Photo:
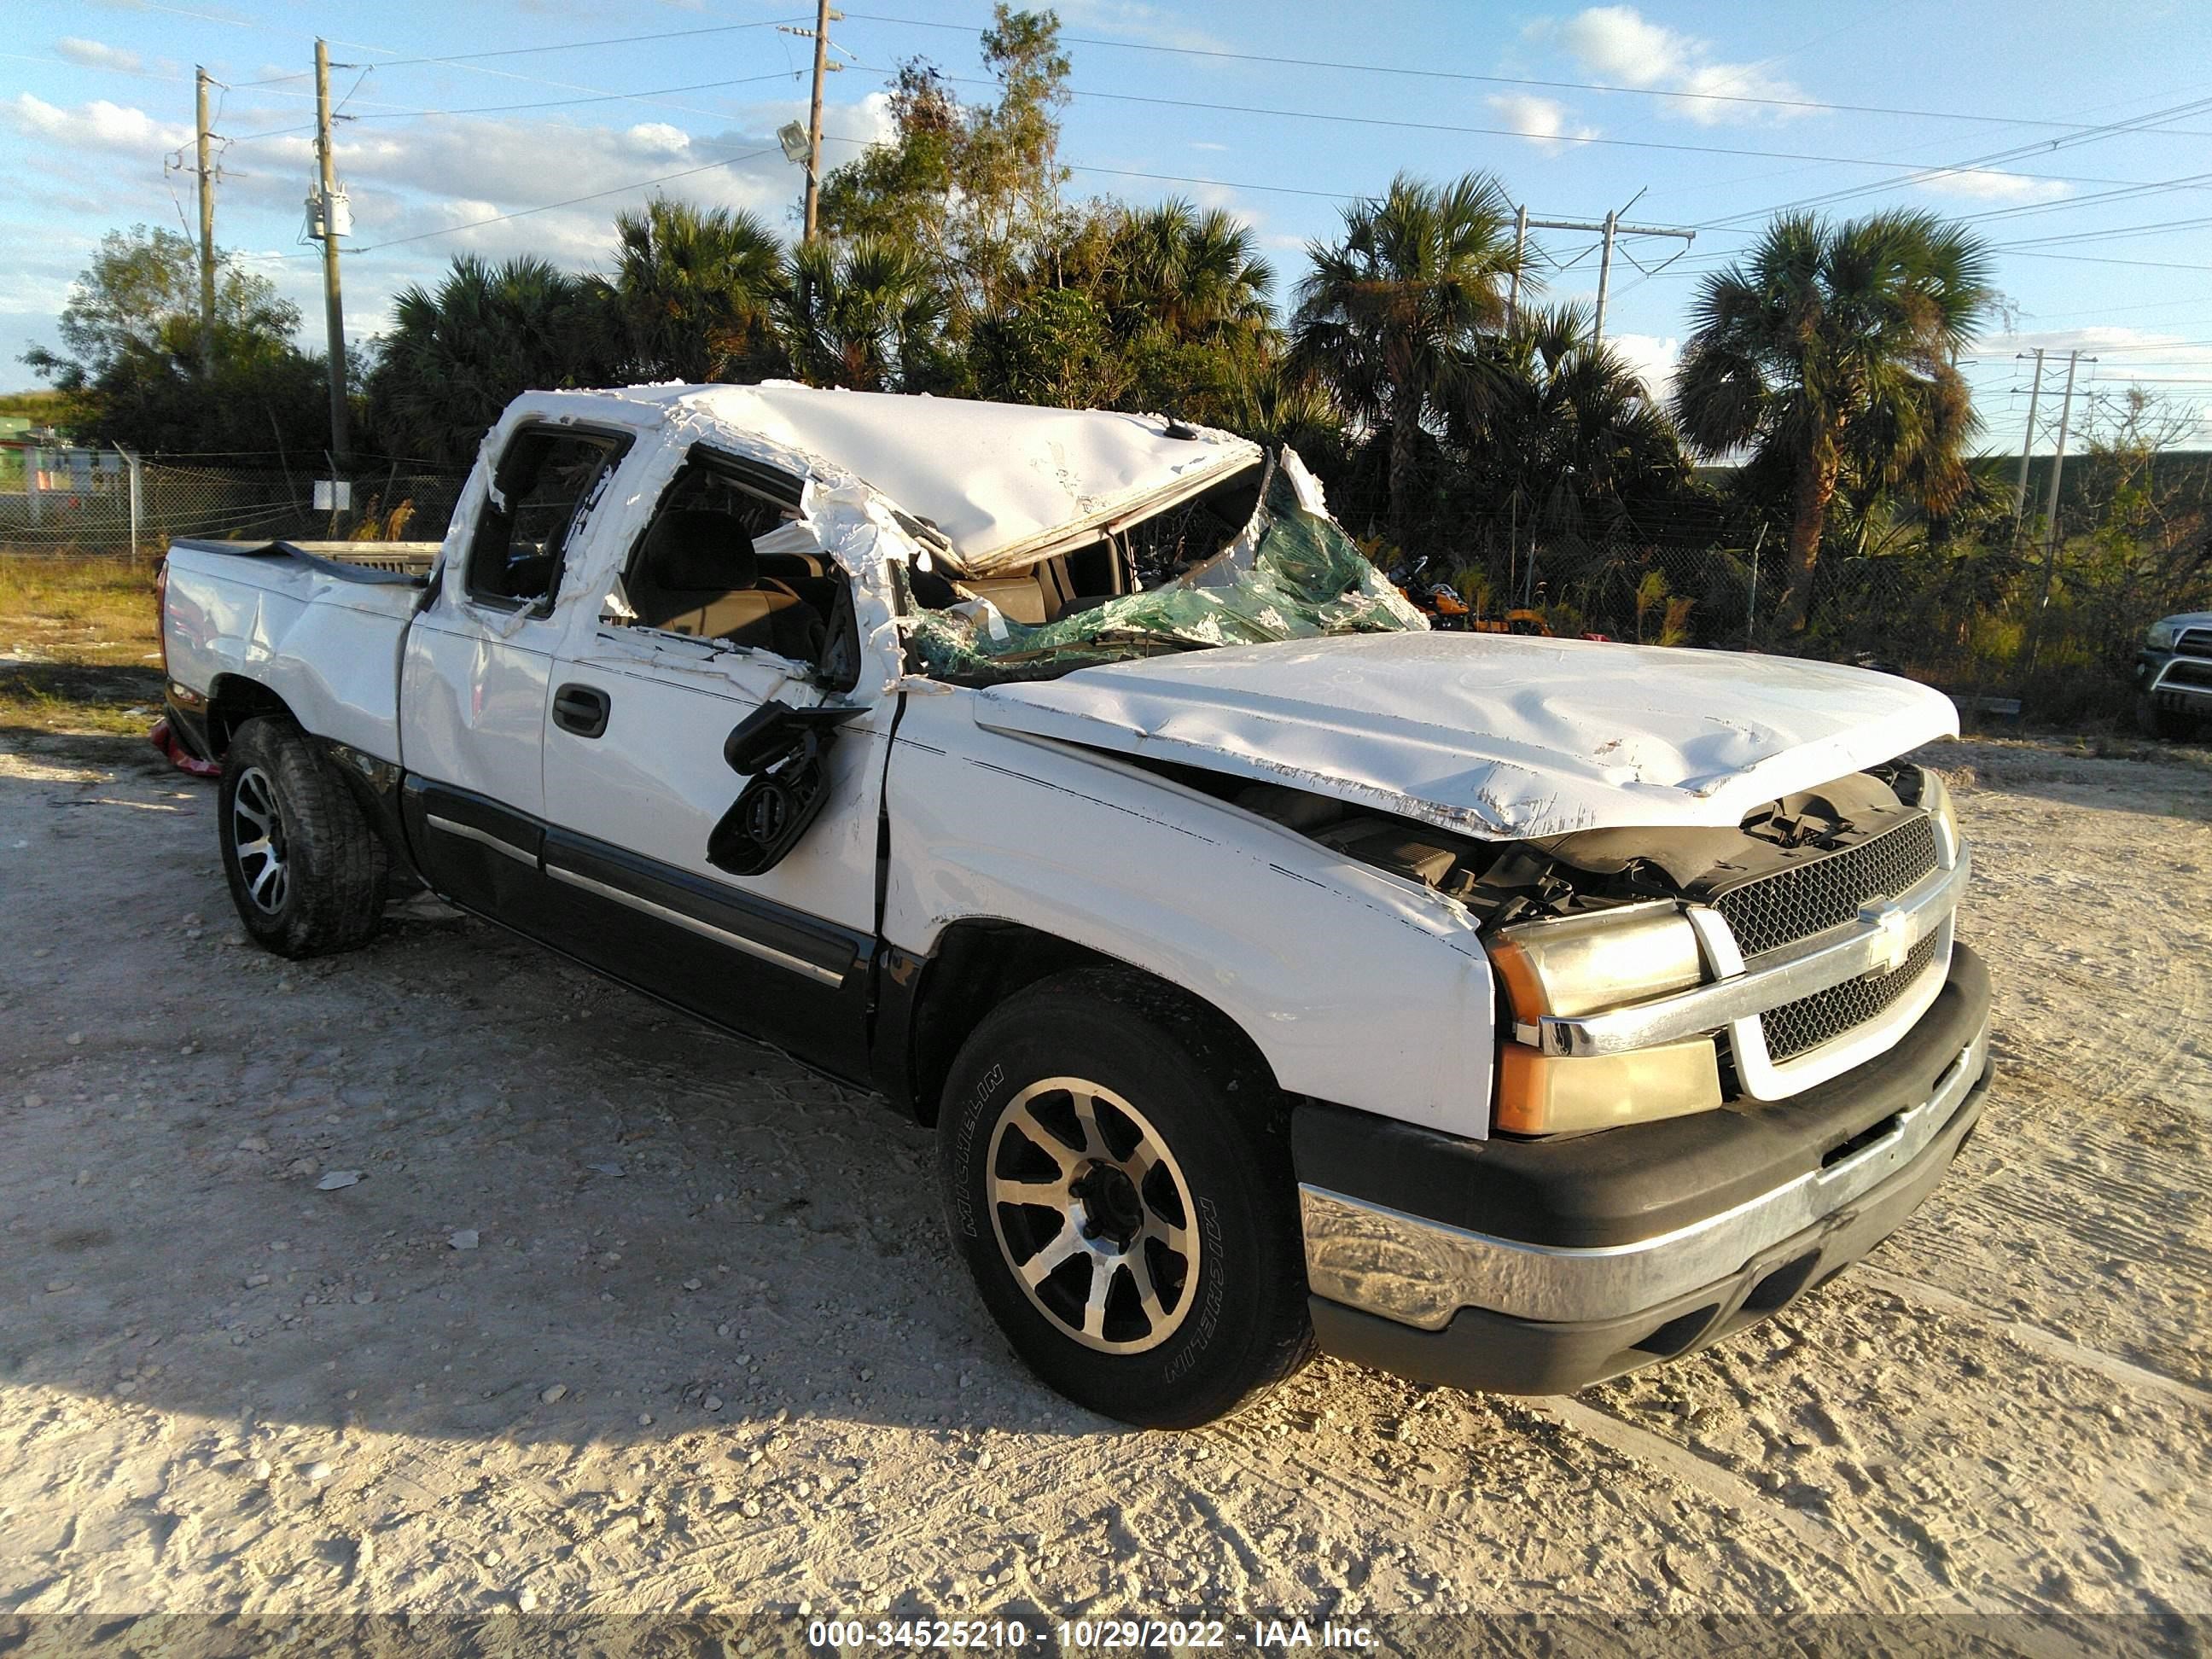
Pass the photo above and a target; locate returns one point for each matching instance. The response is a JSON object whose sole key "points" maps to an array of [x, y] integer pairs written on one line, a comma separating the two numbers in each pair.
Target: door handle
{"points": [[582, 710]]}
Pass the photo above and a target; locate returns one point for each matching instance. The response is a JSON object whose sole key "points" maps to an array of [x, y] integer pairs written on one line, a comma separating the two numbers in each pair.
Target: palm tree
{"points": [[1830, 352], [864, 314], [1567, 435], [694, 289], [1390, 315], [1274, 404], [1194, 276], [456, 358]]}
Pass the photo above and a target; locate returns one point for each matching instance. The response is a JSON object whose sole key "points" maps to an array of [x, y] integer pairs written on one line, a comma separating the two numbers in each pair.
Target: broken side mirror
{"points": [[781, 750]]}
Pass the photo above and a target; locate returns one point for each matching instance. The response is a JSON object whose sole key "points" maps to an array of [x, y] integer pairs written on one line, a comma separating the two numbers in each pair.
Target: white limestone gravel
{"points": [[2005, 1411]]}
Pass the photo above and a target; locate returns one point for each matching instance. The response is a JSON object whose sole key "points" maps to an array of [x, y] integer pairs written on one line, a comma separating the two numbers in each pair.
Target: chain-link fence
{"points": [[62, 500]]}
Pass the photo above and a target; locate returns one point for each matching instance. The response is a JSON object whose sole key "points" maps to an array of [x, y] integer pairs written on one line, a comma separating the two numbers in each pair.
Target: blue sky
{"points": [[1705, 115]]}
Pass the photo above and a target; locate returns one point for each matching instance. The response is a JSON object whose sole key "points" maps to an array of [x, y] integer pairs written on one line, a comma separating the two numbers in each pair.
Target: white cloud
{"points": [[1201, 143], [1615, 42], [1544, 121], [98, 54], [1653, 357], [1983, 185], [99, 125], [1619, 45]]}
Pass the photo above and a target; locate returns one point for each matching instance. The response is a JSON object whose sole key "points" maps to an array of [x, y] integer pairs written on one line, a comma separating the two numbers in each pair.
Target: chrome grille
{"points": [[1796, 1027], [1813, 896], [2194, 639]]}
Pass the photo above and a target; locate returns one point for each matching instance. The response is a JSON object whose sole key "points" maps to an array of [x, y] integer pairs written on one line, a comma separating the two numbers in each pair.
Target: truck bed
{"points": [[321, 624], [348, 560]]}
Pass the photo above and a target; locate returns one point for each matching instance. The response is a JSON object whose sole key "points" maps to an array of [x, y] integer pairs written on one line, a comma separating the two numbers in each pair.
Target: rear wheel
{"points": [[1117, 1176], [308, 873]]}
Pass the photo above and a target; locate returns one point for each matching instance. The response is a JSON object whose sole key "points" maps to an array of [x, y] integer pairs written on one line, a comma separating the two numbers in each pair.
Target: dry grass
{"points": [[80, 645]]}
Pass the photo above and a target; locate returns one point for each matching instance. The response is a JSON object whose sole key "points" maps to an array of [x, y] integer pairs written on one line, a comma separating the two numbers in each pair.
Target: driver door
{"points": [[703, 629]]}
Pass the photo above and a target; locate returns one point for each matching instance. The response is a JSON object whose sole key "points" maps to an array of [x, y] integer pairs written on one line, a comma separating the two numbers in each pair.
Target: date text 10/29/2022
{"points": [[1085, 1634]]}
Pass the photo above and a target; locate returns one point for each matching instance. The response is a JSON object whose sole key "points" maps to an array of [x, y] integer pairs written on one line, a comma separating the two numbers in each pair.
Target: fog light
{"points": [[1540, 1094]]}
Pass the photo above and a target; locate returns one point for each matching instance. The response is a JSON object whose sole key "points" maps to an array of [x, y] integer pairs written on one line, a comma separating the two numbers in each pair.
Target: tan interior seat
{"points": [[697, 573], [1022, 598]]}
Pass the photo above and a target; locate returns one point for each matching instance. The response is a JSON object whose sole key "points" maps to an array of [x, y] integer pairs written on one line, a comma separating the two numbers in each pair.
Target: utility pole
{"points": [[825, 14], [1520, 253], [2034, 395], [2059, 461], [207, 227], [329, 211], [1605, 275], [2074, 359], [1610, 228]]}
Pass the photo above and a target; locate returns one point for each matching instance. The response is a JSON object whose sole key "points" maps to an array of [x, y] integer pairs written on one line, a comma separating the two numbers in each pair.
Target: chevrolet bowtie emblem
{"points": [[1893, 925]]}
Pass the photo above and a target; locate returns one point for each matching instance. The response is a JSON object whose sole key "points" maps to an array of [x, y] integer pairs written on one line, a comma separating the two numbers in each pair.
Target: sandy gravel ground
{"points": [[623, 1314]]}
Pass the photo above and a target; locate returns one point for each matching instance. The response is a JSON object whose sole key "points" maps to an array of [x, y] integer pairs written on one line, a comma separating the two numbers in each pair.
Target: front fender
{"points": [[1356, 987]]}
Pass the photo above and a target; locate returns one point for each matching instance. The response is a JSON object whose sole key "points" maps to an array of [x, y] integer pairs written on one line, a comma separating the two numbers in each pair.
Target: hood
{"points": [[1492, 735], [1007, 484]]}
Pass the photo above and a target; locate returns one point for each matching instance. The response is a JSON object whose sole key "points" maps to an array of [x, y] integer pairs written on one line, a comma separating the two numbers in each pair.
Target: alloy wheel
{"points": [[256, 831], [1093, 1215]]}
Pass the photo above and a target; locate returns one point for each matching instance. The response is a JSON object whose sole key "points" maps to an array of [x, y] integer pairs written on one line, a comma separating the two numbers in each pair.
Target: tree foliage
{"points": [[692, 293], [974, 189], [1391, 315], [132, 366], [864, 314], [1829, 352], [458, 355], [952, 259]]}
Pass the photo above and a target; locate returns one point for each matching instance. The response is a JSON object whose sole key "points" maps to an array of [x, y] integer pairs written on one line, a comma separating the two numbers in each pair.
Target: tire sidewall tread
{"points": [[1219, 1110], [338, 867]]}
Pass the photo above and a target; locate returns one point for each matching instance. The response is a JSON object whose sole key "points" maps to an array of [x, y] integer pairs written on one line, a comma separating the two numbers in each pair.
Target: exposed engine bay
{"points": [[1505, 883]]}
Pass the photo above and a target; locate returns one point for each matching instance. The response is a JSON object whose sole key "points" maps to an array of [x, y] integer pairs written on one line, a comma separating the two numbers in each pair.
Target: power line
{"points": [[1495, 80], [1325, 115], [2153, 227], [579, 45], [559, 103], [1979, 163], [573, 201]]}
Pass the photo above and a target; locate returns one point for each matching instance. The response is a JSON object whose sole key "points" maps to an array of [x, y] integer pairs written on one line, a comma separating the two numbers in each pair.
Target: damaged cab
{"points": [[1505, 1012]]}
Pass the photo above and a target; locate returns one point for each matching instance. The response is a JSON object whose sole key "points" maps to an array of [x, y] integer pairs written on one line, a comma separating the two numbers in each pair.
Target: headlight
{"points": [[2162, 636], [1585, 965], [1935, 799]]}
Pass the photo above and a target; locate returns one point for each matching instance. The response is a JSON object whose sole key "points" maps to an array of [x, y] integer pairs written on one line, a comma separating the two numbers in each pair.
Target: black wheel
{"points": [[308, 873], [1117, 1174], [2154, 721]]}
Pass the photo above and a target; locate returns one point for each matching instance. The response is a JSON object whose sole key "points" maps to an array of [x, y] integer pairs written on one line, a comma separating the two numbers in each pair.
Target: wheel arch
{"points": [[977, 964], [234, 699]]}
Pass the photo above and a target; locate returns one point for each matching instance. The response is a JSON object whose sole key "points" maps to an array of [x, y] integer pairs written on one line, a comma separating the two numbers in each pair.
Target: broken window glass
{"points": [[1292, 574]]}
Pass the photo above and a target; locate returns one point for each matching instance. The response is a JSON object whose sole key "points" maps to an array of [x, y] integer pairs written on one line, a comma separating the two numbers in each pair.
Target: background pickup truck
{"points": [[2173, 676], [1506, 1012]]}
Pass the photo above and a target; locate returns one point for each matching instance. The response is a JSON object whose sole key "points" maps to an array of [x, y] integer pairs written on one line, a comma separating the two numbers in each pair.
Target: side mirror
{"points": [[781, 748]]}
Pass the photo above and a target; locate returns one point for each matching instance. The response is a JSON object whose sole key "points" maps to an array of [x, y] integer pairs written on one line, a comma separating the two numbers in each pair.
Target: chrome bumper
{"points": [[2191, 693], [1421, 1272], [1881, 937]]}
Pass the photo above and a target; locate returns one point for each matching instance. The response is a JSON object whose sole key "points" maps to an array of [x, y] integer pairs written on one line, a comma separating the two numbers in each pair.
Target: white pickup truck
{"points": [[1503, 1012]]}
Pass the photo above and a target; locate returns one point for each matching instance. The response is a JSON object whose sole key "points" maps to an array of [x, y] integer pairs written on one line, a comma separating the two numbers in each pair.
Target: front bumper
{"points": [[2180, 683], [1540, 1267]]}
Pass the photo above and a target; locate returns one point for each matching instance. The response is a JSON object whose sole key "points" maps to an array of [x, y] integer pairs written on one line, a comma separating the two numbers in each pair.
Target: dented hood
{"points": [[1492, 735]]}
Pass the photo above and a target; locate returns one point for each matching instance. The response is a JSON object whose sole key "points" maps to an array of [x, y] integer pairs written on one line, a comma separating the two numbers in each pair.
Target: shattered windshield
{"points": [[1292, 574]]}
